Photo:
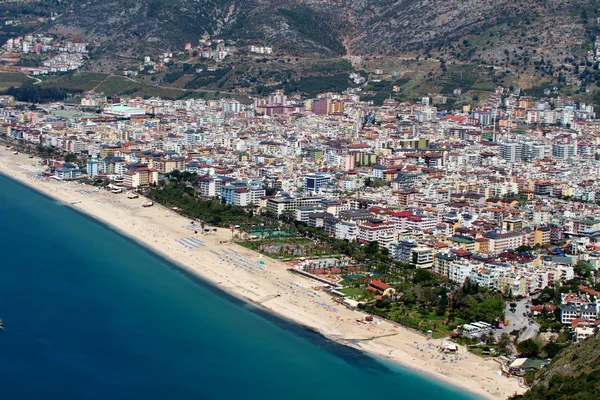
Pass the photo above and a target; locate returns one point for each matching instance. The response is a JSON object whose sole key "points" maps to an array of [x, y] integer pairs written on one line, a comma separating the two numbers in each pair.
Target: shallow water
{"points": [[89, 314]]}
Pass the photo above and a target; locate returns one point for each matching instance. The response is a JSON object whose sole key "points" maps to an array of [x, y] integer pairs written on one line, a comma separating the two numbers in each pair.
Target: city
{"points": [[502, 195]]}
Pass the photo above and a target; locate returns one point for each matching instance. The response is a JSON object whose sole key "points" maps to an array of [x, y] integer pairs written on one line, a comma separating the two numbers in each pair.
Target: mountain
{"points": [[124, 29], [352, 27], [573, 374], [422, 46]]}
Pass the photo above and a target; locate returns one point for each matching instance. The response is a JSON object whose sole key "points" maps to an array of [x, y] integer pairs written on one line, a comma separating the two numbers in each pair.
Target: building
{"points": [[459, 270], [192, 137], [543, 236], [241, 194], [209, 187], [587, 226], [318, 219], [303, 213], [381, 288], [327, 106], [543, 188], [441, 262], [420, 223], [421, 257], [139, 175], [278, 206], [167, 165], [410, 252], [92, 166], [511, 152], [377, 230], [316, 180], [564, 151], [67, 172], [484, 277], [582, 329], [574, 306], [463, 242], [355, 215], [498, 242], [401, 250], [346, 230], [228, 191], [124, 111]]}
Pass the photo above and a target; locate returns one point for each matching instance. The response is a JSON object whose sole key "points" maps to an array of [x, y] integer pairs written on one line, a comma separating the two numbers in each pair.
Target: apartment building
{"points": [[278, 206], [139, 176], [346, 230], [499, 242], [377, 230]]}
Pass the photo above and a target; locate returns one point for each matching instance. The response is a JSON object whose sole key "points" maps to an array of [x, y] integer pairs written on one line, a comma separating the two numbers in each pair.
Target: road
{"points": [[518, 321], [37, 80]]}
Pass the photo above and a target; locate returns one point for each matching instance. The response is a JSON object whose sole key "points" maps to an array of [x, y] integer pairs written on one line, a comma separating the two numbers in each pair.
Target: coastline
{"points": [[157, 229]]}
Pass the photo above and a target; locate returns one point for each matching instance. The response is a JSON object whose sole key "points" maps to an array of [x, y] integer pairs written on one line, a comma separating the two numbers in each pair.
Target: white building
{"points": [[346, 230], [458, 271]]}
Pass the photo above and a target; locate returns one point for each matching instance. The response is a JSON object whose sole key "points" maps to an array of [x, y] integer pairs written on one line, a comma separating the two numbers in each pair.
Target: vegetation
{"points": [[375, 182], [428, 303], [314, 85], [208, 78], [112, 85], [76, 81], [315, 26], [424, 301], [8, 79], [529, 348], [574, 373], [36, 94], [179, 192], [473, 303]]}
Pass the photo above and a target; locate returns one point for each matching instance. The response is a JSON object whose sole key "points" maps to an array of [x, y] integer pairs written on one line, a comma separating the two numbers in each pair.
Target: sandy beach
{"points": [[270, 285]]}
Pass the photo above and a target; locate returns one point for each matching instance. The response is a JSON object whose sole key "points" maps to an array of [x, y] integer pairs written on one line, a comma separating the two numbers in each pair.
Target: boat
{"points": [[148, 204], [1, 324]]}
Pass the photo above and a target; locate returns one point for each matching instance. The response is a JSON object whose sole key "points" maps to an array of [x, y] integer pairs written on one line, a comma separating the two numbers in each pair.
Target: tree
{"points": [[422, 275], [371, 249], [529, 348], [583, 269], [489, 339], [552, 348], [503, 346], [523, 249], [70, 157]]}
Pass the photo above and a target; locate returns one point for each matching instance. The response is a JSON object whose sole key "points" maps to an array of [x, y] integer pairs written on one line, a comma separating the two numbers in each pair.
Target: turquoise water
{"points": [[91, 315]]}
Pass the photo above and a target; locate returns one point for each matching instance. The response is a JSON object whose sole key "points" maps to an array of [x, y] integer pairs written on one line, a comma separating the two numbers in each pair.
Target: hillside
{"points": [[422, 46], [125, 29], [573, 374], [353, 27]]}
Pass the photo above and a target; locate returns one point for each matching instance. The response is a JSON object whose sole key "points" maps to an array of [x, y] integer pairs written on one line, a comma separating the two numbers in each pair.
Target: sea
{"points": [[91, 314]]}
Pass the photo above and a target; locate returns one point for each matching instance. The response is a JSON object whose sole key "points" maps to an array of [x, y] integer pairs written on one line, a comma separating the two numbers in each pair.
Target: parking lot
{"points": [[518, 321]]}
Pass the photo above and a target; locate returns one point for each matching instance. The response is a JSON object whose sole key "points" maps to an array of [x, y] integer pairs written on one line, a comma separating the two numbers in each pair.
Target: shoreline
{"points": [[157, 229]]}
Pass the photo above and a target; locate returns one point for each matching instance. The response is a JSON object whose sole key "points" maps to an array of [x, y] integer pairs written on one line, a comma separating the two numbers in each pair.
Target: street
{"points": [[518, 321]]}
